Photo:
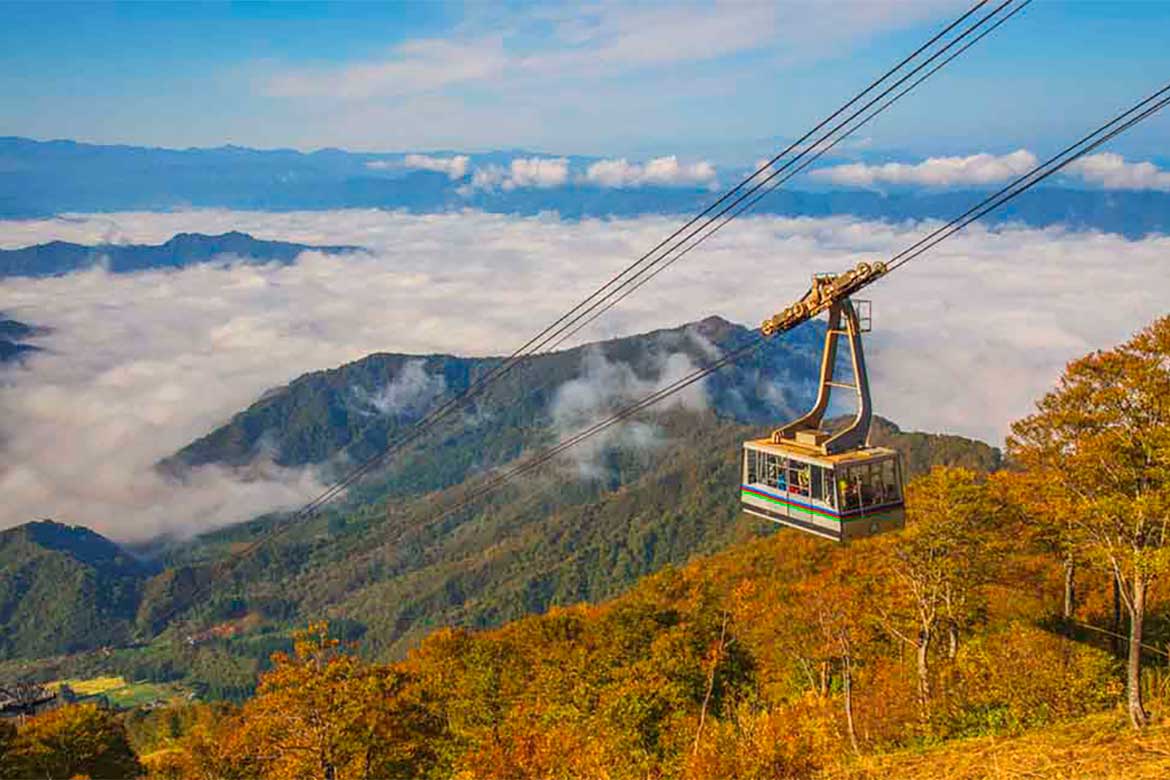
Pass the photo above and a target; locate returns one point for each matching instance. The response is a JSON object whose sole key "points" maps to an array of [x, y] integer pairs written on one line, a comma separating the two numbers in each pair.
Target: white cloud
{"points": [[976, 169], [416, 67], [455, 167], [1107, 170], [605, 386], [660, 171], [574, 75], [539, 172], [140, 364], [547, 46], [408, 396], [1113, 172]]}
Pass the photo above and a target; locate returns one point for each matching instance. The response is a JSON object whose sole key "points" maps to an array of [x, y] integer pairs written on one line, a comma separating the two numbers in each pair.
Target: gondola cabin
{"points": [[840, 497], [809, 474]]}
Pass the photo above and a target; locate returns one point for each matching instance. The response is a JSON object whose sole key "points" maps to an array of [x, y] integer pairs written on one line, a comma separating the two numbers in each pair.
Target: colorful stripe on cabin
{"points": [[866, 513]]}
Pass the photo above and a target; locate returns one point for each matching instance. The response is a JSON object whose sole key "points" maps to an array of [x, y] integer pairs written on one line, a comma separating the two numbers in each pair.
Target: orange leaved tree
{"points": [[322, 713], [1104, 434]]}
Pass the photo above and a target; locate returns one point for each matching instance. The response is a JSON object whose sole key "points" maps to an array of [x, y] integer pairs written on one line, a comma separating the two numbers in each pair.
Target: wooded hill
{"points": [[383, 569], [782, 657], [1014, 606]]}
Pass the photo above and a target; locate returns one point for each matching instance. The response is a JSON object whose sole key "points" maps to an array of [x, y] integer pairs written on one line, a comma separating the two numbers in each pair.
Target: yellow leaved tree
{"points": [[323, 713], [1104, 435]]}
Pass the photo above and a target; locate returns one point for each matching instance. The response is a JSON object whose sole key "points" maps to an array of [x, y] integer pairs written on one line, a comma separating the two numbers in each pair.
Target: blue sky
{"points": [[712, 81]]}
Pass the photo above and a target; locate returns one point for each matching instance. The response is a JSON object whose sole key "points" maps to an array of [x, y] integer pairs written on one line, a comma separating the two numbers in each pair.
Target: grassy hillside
{"points": [[1098, 747]]}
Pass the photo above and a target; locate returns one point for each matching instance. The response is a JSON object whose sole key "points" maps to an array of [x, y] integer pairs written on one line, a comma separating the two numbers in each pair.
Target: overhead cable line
{"points": [[1119, 124], [776, 184], [639, 276], [639, 267], [621, 281]]}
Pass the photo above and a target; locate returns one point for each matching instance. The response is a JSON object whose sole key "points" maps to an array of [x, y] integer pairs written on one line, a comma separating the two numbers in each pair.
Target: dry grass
{"points": [[1101, 747]]}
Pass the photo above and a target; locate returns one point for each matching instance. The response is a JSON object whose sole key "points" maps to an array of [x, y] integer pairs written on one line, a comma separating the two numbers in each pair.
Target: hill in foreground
{"points": [[1097, 747], [782, 657]]}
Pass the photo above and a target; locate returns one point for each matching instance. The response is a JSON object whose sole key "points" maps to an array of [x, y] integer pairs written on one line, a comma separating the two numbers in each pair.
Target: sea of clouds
{"points": [[138, 365]]}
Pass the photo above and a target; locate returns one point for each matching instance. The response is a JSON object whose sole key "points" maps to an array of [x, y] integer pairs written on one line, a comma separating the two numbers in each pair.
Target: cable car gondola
{"points": [[831, 483]]}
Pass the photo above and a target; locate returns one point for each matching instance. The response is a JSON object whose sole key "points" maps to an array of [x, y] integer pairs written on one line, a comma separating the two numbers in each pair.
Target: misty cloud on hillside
{"points": [[408, 396], [138, 365], [604, 387]]}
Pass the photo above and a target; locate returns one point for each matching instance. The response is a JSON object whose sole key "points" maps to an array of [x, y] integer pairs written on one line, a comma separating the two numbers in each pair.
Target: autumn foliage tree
{"points": [[1104, 434], [931, 574], [783, 657], [322, 713], [80, 740]]}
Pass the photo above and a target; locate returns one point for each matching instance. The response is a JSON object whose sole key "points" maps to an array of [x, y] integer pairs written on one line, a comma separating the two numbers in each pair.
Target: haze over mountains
{"points": [[42, 178]]}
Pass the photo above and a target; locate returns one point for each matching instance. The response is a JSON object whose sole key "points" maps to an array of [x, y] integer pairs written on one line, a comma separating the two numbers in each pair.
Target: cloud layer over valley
{"points": [[138, 365]]}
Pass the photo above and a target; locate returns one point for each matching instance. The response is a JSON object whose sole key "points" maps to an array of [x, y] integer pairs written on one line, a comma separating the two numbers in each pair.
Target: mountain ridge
{"points": [[55, 258], [46, 178]]}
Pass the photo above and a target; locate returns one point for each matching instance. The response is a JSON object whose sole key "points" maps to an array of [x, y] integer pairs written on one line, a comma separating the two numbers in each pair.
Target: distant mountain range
{"points": [[184, 249], [44, 178]]}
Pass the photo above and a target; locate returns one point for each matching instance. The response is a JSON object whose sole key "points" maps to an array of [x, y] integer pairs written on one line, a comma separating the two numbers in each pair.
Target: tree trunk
{"points": [[1115, 641], [1070, 593], [924, 640], [1133, 667], [824, 690], [952, 641], [716, 657], [847, 684]]}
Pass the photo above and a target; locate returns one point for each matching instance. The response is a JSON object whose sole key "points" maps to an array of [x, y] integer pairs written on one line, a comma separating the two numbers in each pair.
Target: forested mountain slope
{"points": [[354, 409], [386, 565], [64, 588], [398, 569]]}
